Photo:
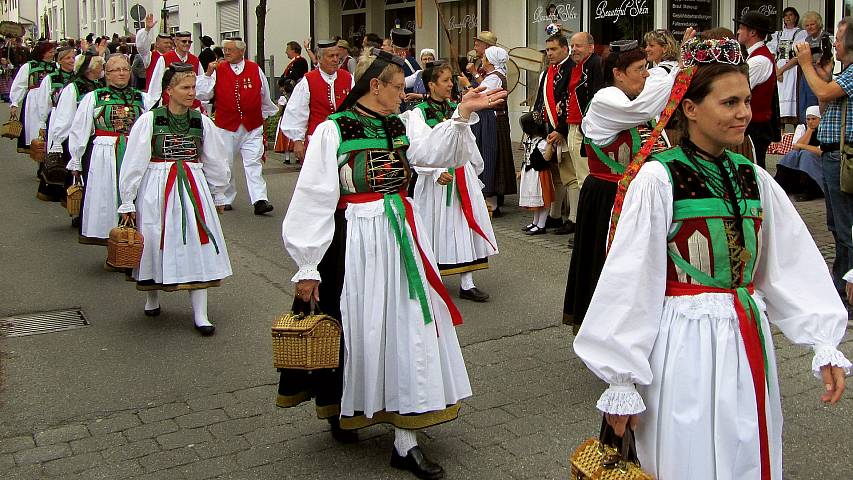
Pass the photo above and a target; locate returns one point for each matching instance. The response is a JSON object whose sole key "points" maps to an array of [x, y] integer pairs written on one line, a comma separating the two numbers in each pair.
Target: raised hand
{"points": [[150, 22]]}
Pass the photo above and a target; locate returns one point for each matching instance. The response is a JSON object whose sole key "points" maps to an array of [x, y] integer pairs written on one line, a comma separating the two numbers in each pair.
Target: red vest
{"points": [[620, 151], [321, 105], [155, 55], [172, 57], [238, 97], [762, 94], [345, 64]]}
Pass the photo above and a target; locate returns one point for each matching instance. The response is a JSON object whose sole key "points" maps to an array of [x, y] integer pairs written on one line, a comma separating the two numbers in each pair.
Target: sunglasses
{"points": [[186, 42]]}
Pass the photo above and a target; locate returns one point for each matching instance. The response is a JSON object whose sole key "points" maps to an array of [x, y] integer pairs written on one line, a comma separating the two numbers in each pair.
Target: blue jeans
{"points": [[839, 217], [806, 99]]}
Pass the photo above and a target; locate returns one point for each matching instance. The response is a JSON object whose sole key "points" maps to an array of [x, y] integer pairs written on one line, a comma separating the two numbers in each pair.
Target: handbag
{"points": [[74, 197], [599, 459], [846, 152], [306, 340], [53, 169], [124, 247], [12, 128]]}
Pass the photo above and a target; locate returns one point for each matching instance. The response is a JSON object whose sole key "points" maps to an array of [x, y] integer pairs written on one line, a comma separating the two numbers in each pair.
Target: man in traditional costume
{"points": [[319, 94], [450, 201], [42, 103], [620, 117], [401, 40], [753, 28], [163, 44], [482, 41], [97, 143], [242, 96], [29, 78], [346, 212], [346, 61], [700, 265], [173, 182], [181, 54]]}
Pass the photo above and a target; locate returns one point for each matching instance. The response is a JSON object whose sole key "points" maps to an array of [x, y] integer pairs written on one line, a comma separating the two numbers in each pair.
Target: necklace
{"points": [[441, 110], [370, 127], [179, 124]]}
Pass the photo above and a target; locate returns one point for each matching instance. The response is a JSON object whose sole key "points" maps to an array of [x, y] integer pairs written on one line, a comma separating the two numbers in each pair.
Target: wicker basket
{"points": [[124, 247], [74, 198], [12, 128], [53, 169], [37, 151], [306, 342], [596, 460]]}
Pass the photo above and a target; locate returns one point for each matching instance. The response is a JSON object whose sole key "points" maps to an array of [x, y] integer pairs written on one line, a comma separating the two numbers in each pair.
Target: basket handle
{"points": [[13, 116], [127, 221], [627, 451], [303, 307]]}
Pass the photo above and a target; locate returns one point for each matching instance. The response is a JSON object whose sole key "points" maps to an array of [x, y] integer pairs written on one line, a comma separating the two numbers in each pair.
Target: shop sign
{"points": [[697, 14], [468, 22], [627, 8], [767, 7], [562, 12]]}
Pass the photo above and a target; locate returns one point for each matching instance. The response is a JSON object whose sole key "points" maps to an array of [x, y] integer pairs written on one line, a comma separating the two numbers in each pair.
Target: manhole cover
{"points": [[42, 322]]}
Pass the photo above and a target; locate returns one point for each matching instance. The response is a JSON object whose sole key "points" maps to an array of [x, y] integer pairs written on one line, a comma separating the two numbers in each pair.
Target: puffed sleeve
{"points": [[449, 144], [213, 161], [797, 289], [40, 102], [294, 121], [135, 161], [62, 118], [426, 171], [204, 87], [144, 39], [155, 84], [623, 319], [18, 89], [268, 108], [309, 224], [78, 140]]}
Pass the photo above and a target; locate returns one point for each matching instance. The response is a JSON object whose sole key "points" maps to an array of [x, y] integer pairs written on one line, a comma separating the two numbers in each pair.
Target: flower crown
{"points": [[553, 29], [697, 51]]}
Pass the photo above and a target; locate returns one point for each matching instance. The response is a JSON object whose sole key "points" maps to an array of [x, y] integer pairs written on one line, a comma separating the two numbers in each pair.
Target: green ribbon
{"points": [[450, 187], [396, 213], [613, 165], [184, 185]]}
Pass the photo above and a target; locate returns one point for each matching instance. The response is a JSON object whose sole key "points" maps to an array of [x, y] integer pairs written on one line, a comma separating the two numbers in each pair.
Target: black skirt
{"points": [[590, 250], [324, 386]]}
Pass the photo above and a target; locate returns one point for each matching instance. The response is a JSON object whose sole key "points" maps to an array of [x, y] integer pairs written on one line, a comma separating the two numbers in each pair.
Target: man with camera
{"points": [[834, 95]]}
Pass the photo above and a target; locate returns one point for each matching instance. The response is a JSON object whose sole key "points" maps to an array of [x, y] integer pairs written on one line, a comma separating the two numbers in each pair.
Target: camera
{"points": [[814, 46]]}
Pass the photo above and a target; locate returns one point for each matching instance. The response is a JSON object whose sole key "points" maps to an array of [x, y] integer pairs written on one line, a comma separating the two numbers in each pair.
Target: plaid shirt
{"points": [[830, 123]]}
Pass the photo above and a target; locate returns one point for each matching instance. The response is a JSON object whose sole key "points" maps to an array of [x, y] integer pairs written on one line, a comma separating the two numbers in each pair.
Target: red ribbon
{"points": [[465, 204], [754, 355], [433, 278], [170, 185]]}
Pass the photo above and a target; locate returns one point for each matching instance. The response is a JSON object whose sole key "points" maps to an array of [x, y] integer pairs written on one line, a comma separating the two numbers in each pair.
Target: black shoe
{"points": [[152, 313], [496, 213], [262, 207], [205, 330], [473, 294], [552, 222], [75, 222], [417, 463], [567, 228], [228, 207], [536, 230], [528, 227], [339, 434]]}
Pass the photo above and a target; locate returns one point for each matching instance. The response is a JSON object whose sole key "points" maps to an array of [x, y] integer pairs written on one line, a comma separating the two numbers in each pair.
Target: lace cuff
{"points": [[307, 272], [458, 119], [825, 354], [74, 165], [623, 399], [127, 208]]}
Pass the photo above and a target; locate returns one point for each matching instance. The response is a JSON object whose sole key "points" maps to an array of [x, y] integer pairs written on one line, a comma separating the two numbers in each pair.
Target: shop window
{"points": [[353, 25], [461, 19], [541, 13], [399, 13], [771, 8], [701, 15], [620, 19]]}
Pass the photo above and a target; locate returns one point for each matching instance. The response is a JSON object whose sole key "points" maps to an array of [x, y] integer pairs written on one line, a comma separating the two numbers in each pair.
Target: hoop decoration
{"points": [[696, 51]]}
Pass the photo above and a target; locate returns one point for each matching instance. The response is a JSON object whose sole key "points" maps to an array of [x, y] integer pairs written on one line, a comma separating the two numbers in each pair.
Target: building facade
{"points": [[23, 12]]}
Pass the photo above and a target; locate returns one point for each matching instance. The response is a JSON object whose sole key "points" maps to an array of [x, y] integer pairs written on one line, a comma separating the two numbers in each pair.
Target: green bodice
{"points": [[435, 113], [39, 70], [116, 110], [168, 144]]}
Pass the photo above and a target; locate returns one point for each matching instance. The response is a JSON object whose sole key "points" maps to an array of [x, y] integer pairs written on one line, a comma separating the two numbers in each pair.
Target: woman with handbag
{"points": [[43, 103], [362, 254], [172, 184], [699, 266], [450, 201], [98, 143]]}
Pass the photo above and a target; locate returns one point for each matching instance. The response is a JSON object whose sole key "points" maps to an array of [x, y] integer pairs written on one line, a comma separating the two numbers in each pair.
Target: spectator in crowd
{"points": [[347, 62], [482, 41], [7, 73], [833, 94], [206, 55], [799, 172], [662, 51], [295, 69], [780, 45], [822, 61], [371, 40], [753, 28]]}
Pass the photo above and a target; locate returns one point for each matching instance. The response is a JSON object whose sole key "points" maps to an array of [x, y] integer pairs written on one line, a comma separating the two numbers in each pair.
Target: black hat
{"points": [[755, 20], [183, 34], [623, 45], [164, 36], [401, 37], [234, 39], [206, 41], [327, 43]]}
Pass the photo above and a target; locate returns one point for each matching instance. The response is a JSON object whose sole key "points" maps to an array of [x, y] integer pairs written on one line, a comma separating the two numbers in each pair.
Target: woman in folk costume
{"points": [[97, 144], [350, 226], [88, 68], [172, 182], [781, 44], [450, 201], [619, 118], [29, 78], [699, 266], [42, 103], [493, 134]]}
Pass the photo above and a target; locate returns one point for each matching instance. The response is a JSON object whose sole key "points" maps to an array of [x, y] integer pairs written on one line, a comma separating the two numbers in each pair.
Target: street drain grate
{"points": [[42, 322]]}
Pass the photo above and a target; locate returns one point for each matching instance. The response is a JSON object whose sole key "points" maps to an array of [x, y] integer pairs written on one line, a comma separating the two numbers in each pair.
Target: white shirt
{"points": [[294, 122], [204, 86], [144, 39], [155, 86], [760, 67]]}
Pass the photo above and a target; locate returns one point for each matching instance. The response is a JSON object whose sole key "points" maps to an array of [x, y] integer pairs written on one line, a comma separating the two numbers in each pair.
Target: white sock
{"points": [[199, 300], [152, 300], [466, 281], [405, 440], [541, 217], [574, 197]]}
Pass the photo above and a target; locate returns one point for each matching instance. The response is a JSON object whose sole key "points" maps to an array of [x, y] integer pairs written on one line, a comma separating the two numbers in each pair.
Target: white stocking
{"points": [[152, 300], [199, 300], [405, 440], [466, 281]]}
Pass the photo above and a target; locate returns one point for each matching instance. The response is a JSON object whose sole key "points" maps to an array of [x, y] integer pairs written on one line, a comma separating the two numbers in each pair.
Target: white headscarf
{"points": [[814, 111], [427, 51], [498, 57]]}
